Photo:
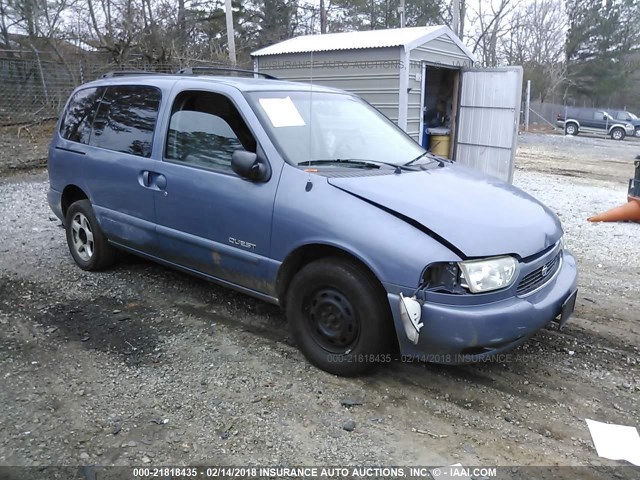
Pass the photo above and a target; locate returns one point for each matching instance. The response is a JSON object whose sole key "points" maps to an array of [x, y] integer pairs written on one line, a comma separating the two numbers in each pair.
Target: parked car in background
{"points": [[628, 117], [311, 199], [595, 121]]}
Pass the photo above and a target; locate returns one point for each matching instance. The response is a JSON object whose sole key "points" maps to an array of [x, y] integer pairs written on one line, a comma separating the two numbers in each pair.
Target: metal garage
{"points": [[422, 78]]}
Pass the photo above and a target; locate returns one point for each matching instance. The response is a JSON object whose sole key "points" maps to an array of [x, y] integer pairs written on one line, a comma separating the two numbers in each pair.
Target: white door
{"points": [[489, 113]]}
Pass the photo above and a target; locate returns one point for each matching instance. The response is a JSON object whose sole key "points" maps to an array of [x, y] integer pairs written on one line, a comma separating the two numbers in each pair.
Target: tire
{"points": [[87, 244], [618, 133], [637, 133], [571, 129], [339, 316]]}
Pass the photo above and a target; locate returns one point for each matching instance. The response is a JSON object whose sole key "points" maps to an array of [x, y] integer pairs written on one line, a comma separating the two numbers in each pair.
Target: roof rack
{"points": [[197, 70], [123, 73]]}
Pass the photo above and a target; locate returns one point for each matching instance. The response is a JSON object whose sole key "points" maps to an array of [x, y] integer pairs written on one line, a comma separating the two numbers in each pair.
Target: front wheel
{"points": [[637, 133], [339, 316], [88, 245], [618, 133]]}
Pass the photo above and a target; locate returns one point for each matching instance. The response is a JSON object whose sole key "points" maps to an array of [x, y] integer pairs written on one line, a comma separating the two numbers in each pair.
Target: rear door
{"points": [[120, 149], [596, 123], [489, 114]]}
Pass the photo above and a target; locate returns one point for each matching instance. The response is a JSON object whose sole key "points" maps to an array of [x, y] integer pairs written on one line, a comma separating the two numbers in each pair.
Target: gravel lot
{"points": [[145, 365]]}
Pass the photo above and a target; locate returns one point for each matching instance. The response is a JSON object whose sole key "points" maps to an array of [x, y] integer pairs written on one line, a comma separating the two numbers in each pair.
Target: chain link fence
{"points": [[34, 89], [546, 113]]}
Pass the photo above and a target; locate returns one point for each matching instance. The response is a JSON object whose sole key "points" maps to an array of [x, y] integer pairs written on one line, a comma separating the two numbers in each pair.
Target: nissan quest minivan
{"points": [[309, 198]]}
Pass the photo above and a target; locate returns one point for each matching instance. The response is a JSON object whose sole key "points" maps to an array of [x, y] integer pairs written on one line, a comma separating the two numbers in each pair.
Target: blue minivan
{"points": [[309, 198]]}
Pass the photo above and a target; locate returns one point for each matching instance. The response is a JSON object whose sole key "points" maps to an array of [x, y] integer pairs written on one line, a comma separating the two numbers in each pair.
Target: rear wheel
{"points": [[618, 133], [87, 244], [339, 316], [571, 129], [637, 133]]}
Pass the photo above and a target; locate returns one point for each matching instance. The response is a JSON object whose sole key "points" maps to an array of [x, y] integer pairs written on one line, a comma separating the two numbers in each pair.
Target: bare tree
{"points": [[490, 26], [537, 42]]}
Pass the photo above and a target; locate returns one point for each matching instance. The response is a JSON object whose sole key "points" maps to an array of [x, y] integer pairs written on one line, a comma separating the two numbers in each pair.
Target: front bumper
{"points": [[460, 333]]}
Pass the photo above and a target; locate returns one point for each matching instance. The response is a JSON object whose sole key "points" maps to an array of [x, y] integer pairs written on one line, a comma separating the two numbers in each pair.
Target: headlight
{"points": [[489, 274]]}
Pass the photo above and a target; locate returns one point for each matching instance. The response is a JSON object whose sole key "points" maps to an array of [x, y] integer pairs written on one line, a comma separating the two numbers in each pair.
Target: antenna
{"points": [[311, 111]]}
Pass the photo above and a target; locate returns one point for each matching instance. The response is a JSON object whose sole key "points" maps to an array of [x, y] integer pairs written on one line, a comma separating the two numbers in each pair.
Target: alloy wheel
{"points": [[82, 236]]}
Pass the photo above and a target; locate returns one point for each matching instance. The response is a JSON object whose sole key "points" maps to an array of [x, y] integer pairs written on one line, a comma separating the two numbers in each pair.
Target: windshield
{"points": [[632, 116], [309, 127]]}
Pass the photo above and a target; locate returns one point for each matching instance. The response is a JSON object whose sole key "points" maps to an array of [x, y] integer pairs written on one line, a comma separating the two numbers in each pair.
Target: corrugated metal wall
{"points": [[373, 74], [488, 120]]}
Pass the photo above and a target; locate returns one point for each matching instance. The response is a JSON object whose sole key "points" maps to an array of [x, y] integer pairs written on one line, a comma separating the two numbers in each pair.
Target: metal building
{"points": [[422, 78]]}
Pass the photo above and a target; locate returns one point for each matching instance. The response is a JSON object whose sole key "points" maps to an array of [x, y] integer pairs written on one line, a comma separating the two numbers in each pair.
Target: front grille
{"points": [[535, 279]]}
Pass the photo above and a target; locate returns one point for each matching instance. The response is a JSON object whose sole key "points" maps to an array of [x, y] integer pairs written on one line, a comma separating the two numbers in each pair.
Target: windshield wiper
{"points": [[434, 158], [358, 162]]}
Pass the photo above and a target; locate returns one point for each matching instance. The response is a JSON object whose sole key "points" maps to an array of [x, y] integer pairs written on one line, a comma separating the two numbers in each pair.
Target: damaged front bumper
{"points": [[445, 333]]}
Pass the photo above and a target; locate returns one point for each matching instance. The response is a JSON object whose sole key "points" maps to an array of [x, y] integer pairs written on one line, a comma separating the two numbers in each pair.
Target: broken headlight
{"points": [[444, 277], [489, 274]]}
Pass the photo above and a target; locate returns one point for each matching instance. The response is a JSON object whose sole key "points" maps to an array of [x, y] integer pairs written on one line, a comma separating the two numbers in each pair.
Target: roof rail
{"points": [[197, 70], [122, 73]]}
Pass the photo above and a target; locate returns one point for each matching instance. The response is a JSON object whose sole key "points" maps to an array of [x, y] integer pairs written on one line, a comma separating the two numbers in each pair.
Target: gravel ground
{"points": [[145, 365], [590, 158]]}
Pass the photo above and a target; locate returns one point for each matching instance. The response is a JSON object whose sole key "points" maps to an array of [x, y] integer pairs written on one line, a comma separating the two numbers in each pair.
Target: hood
{"points": [[478, 216]]}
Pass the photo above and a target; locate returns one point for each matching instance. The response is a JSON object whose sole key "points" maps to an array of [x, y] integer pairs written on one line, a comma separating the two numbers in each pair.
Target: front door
{"points": [[209, 219]]}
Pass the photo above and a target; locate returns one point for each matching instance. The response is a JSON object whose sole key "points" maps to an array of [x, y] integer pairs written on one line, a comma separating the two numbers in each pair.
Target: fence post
{"points": [[44, 83], [527, 106]]}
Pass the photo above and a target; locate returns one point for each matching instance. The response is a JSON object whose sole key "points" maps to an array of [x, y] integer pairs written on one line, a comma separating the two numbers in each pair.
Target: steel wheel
{"points": [[332, 320], [82, 236], [339, 316]]}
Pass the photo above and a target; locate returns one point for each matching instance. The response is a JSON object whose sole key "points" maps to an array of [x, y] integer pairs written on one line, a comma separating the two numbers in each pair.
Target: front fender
{"points": [[394, 251]]}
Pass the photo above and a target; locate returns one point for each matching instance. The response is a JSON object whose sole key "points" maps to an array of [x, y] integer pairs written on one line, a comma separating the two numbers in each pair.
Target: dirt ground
{"points": [[24, 147], [144, 365]]}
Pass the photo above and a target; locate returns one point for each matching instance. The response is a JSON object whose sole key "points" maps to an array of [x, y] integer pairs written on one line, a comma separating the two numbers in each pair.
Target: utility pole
{"points": [[455, 11], [401, 12], [231, 37]]}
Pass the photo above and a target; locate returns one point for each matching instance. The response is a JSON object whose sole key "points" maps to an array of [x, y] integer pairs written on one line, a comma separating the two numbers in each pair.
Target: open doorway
{"points": [[439, 108]]}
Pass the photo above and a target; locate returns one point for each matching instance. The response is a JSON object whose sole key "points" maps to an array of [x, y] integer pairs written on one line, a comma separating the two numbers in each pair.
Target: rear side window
{"points": [[76, 124], [126, 120]]}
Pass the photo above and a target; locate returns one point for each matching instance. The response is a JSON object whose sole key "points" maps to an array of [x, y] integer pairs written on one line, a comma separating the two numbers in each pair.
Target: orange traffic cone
{"points": [[629, 211]]}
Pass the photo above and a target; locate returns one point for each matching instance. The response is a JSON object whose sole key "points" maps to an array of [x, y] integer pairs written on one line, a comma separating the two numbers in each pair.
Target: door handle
{"points": [[161, 182], [152, 180], [144, 178]]}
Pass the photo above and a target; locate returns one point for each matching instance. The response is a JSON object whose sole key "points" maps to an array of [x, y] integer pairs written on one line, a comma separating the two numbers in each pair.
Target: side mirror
{"points": [[250, 166]]}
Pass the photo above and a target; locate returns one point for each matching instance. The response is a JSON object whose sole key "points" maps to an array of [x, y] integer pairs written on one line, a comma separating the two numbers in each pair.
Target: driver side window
{"points": [[204, 131]]}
